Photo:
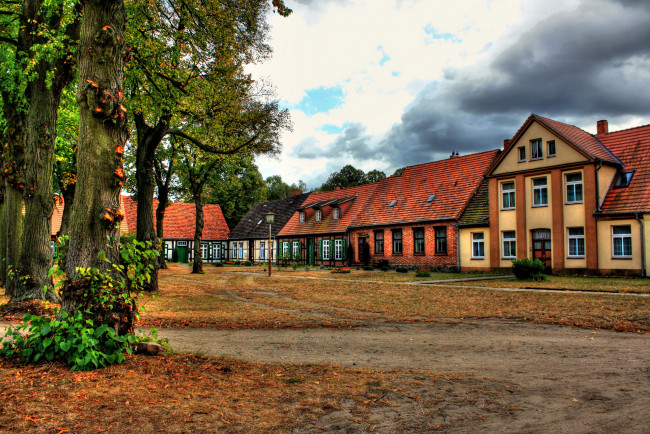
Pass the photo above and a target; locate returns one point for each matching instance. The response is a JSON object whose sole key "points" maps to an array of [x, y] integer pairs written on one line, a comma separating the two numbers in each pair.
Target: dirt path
{"points": [[550, 378]]}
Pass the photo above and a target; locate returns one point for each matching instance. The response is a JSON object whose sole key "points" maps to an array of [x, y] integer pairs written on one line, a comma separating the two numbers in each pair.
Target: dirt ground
{"points": [[512, 375]]}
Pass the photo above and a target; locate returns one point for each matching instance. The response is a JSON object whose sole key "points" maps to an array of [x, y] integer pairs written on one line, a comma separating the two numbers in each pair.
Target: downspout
{"points": [[600, 164], [458, 247], [643, 274]]}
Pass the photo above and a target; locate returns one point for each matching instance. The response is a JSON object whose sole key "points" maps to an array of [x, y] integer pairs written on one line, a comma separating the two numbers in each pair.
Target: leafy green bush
{"points": [[401, 269], [524, 269], [539, 277], [236, 263], [218, 264], [248, 263], [422, 272], [73, 340], [368, 267]]}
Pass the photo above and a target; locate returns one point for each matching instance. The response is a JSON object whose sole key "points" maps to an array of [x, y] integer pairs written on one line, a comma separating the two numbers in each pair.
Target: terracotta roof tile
{"points": [[452, 182], [353, 200], [632, 147]]}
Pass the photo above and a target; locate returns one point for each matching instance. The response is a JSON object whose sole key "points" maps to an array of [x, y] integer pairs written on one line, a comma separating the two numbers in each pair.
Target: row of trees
{"points": [[172, 80]]}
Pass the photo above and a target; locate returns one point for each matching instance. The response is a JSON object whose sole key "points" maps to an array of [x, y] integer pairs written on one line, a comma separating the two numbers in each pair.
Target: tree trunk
{"points": [[36, 254], [163, 198], [68, 202], [197, 266], [14, 228], [102, 135], [3, 242]]}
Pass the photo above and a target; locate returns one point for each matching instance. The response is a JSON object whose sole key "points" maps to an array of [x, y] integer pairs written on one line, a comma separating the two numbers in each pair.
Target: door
{"points": [[310, 251], [363, 254], [542, 246], [182, 254]]}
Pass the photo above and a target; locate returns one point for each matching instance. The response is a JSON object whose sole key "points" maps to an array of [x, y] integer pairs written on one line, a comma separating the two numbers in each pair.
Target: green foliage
{"points": [[401, 269], [539, 277], [248, 263], [524, 269], [349, 176], [218, 264], [422, 272], [368, 267], [76, 341], [277, 189]]}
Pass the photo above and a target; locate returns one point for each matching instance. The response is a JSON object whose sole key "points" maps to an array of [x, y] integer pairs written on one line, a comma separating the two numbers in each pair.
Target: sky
{"points": [[382, 84]]}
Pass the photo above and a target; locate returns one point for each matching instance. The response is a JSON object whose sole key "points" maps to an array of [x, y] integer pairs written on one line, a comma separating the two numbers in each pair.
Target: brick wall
{"points": [[430, 258]]}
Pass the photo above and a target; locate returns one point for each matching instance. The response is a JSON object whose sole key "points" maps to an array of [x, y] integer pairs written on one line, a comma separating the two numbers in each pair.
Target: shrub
{"points": [[248, 263], [341, 270], [384, 268], [401, 269], [524, 269], [236, 263], [368, 267], [218, 264], [423, 272], [539, 277]]}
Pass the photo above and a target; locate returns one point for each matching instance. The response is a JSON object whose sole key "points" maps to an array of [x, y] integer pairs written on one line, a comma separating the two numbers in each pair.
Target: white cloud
{"points": [[384, 54]]}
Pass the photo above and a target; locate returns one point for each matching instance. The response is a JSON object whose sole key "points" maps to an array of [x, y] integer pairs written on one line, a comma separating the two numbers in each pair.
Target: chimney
{"points": [[337, 187], [454, 154], [602, 127], [296, 192], [506, 143]]}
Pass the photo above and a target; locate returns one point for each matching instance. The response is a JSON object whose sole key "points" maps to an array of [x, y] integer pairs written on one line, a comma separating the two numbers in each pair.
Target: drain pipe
{"points": [[643, 273], [600, 164]]}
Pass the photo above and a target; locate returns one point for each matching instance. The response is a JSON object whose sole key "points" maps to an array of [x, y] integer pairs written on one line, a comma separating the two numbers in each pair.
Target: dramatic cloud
{"points": [[385, 83]]}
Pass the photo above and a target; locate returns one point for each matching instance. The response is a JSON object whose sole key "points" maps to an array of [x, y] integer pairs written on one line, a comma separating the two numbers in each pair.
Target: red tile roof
{"points": [[179, 220], [451, 182], [632, 147], [351, 201]]}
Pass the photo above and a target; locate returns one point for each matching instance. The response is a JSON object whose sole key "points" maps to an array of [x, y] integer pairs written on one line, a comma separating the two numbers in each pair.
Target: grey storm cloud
{"points": [[588, 64], [353, 142]]}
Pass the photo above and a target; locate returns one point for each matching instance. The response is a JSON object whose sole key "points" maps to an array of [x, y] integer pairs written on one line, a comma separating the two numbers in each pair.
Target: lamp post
{"points": [[269, 219]]}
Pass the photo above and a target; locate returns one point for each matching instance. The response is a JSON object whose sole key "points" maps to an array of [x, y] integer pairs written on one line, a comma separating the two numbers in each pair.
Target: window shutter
{"points": [[343, 250], [320, 249]]}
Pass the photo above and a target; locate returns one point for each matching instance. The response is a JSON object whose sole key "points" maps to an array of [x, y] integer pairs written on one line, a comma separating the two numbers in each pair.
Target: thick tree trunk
{"points": [[36, 254], [3, 242], [102, 135], [14, 229], [197, 266]]}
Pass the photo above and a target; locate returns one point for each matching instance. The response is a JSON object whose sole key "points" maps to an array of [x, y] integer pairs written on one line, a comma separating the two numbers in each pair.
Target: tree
{"points": [[94, 228], [42, 68], [188, 67], [374, 176], [236, 191], [349, 176], [277, 189]]}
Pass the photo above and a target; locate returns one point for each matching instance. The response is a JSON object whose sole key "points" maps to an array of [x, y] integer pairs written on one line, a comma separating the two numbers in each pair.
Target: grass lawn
{"points": [[233, 297]]}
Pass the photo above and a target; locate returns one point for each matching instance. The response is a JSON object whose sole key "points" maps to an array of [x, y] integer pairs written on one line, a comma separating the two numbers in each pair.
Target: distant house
{"points": [[411, 218], [249, 240], [576, 201], [317, 231], [178, 228]]}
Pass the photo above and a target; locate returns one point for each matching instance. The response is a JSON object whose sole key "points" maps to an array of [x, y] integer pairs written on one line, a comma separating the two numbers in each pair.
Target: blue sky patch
{"points": [[333, 129], [435, 34], [321, 100], [384, 56]]}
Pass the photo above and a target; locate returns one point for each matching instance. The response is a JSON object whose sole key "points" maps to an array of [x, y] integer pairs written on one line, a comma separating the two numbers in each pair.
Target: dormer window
{"points": [[319, 215], [392, 204], [302, 216], [430, 198], [623, 179], [336, 213]]}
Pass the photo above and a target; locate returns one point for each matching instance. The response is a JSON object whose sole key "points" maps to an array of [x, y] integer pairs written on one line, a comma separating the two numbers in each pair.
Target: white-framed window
{"points": [[574, 188], [262, 250], [540, 192], [576, 238], [508, 195], [622, 241], [302, 216], [319, 215], [509, 244], [215, 251], [241, 250], [285, 249], [338, 250], [182, 243], [204, 250], [522, 153], [234, 250], [326, 249], [296, 249], [550, 148], [336, 213], [478, 245], [536, 150]]}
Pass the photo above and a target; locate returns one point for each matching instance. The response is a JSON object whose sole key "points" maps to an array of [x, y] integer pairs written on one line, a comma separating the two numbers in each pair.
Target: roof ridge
{"points": [[447, 159], [623, 130]]}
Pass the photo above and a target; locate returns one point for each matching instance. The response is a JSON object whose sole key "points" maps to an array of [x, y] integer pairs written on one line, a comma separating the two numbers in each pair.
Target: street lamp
{"points": [[269, 219]]}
